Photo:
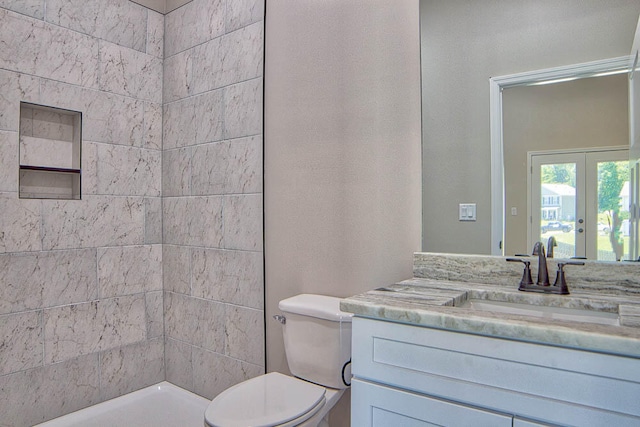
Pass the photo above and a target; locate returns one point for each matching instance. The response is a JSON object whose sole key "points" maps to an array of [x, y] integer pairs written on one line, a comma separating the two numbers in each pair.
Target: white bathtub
{"points": [[160, 405]]}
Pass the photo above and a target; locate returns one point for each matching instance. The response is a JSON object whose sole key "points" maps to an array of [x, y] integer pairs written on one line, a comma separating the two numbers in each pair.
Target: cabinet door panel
{"points": [[380, 406], [384, 418], [565, 386]]}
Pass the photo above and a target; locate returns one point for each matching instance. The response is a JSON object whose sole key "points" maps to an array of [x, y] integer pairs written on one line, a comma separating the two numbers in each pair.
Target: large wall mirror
{"points": [[462, 49]]}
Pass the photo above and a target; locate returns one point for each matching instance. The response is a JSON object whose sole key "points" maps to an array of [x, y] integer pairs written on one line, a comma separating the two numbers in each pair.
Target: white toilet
{"points": [[317, 342]]}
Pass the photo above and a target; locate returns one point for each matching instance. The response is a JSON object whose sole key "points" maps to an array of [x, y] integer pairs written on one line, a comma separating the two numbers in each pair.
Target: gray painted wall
{"points": [[342, 151], [463, 45]]}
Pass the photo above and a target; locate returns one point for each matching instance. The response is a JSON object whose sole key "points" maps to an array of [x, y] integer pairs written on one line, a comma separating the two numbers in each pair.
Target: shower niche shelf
{"points": [[50, 147]]}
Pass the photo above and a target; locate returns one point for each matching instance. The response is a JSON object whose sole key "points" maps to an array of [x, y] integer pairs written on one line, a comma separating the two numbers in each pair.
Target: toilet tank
{"points": [[317, 339]]}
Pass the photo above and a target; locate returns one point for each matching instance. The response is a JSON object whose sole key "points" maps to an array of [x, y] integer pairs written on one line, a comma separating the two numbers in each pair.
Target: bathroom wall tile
{"points": [[127, 270], [176, 263], [155, 34], [33, 8], [107, 324], [235, 277], [193, 221], [244, 170], [34, 280], [129, 171], [40, 394], [193, 24], [195, 321], [227, 167], [209, 164], [194, 120], [179, 126], [21, 338], [243, 109], [106, 117], [245, 334], [232, 58], [209, 116], [89, 166], [15, 87], [118, 21], [155, 314], [243, 222], [34, 47], [213, 373], [178, 76], [93, 222], [130, 368], [20, 225], [34, 151], [176, 172], [178, 364], [152, 138], [8, 161], [241, 13], [8, 195], [128, 72], [47, 124], [208, 60], [153, 220]]}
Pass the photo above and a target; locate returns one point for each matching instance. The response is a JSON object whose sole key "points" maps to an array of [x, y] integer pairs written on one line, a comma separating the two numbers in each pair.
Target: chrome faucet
{"points": [[543, 273], [551, 243]]}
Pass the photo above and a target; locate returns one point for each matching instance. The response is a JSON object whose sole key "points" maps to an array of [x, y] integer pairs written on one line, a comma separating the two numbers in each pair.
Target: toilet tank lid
{"points": [[319, 306]]}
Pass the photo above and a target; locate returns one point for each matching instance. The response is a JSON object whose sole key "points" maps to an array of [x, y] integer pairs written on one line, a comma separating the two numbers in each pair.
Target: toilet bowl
{"points": [[270, 400], [317, 339]]}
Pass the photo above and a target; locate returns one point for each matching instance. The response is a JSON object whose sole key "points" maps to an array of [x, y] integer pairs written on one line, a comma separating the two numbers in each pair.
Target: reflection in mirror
{"points": [[579, 125], [550, 189], [462, 47]]}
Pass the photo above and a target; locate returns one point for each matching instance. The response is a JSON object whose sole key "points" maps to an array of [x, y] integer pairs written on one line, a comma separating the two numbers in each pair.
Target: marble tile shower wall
{"points": [[212, 194], [81, 302]]}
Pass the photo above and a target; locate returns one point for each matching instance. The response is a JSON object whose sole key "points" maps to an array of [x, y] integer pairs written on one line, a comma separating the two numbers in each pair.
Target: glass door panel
{"points": [[613, 227], [555, 207]]}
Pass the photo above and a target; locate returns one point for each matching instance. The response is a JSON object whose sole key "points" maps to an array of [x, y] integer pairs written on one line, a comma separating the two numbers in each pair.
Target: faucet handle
{"points": [[561, 282], [526, 274]]}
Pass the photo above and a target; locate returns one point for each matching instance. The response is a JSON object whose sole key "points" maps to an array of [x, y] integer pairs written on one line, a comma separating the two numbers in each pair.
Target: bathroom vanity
{"points": [[446, 350]]}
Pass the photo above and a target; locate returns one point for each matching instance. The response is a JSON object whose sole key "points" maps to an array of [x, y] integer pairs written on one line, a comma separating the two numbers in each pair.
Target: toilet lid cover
{"points": [[263, 401]]}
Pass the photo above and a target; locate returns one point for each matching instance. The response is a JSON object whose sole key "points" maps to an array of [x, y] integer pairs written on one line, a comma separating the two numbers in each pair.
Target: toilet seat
{"points": [[269, 400]]}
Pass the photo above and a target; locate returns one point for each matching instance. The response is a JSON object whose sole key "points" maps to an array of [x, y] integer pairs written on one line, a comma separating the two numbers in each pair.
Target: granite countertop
{"points": [[436, 303]]}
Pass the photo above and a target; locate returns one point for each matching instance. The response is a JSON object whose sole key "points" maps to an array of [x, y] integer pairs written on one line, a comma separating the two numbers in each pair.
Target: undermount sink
{"points": [[542, 311]]}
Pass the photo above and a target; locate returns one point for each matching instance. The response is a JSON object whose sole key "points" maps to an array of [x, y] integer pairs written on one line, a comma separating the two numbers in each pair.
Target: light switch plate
{"points": [[467, 212]]}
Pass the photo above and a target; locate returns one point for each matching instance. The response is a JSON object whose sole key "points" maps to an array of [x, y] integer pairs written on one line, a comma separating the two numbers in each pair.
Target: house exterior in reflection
{"points": [[558, 202]]}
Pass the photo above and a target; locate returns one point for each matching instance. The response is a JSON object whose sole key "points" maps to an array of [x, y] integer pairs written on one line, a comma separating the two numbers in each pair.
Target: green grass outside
{"points": [[602, 241]]}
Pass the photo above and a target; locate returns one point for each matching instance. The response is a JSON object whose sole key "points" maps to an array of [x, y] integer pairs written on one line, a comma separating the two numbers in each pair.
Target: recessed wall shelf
{"points": [[50, 147]]}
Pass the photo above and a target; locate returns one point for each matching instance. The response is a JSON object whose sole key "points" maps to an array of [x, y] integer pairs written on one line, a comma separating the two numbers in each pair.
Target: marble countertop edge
{"points": [[429, 303]]}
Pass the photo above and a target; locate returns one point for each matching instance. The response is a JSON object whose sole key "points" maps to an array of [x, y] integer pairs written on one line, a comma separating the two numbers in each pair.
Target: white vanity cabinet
{"points": [[383, 406], [406, 375]]}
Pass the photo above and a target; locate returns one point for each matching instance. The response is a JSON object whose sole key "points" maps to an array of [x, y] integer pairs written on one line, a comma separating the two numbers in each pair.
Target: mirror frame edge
{"points": [[497, 85]]}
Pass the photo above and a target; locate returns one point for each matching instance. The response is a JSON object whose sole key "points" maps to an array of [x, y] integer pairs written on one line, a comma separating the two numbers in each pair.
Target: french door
{"points": [[578, 198]]}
